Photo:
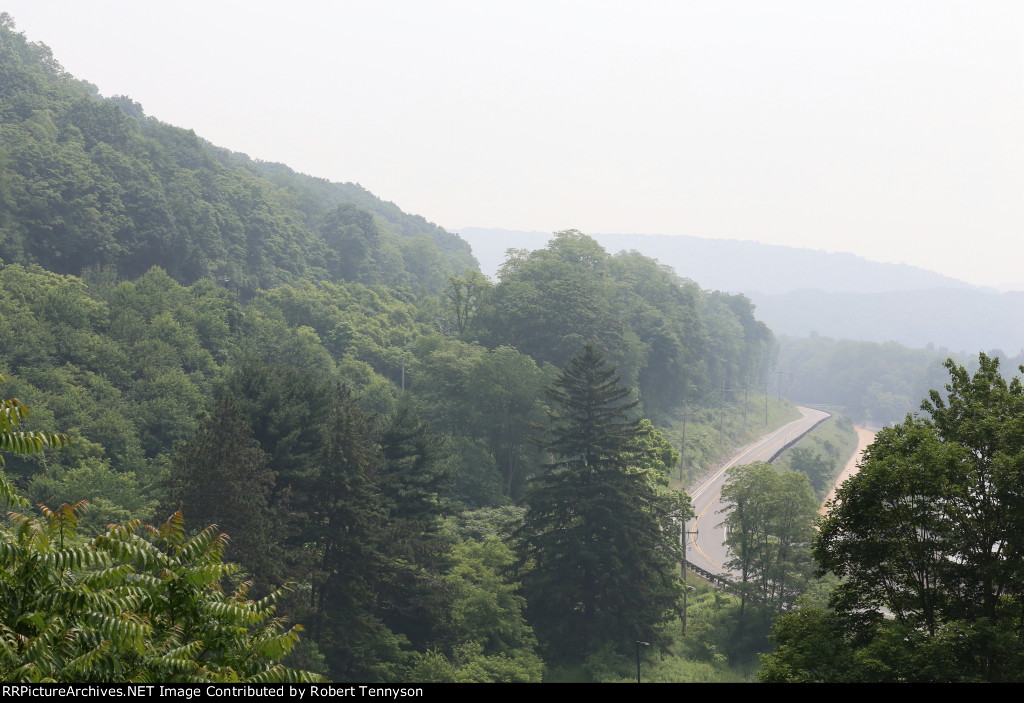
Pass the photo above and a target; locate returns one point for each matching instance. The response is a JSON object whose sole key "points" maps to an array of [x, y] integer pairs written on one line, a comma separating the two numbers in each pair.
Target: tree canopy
{"points": [[133, 604], [928, 539], [280, 356], [93, 182], [770, 521]]}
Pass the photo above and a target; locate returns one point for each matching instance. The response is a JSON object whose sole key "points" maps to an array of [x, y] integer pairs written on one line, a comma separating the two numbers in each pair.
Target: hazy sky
{"points": [[894, 130]]}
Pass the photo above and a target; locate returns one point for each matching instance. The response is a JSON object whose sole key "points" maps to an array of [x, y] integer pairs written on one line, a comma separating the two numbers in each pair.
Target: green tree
{"points": [[333, 492], [352, 238], [504, 391], [656, 455], [816, 467], [462, 296], [770, 521], [133, 604], [596, 539], [221, 474], [927, 538], [411, 596], [552, 301], [488, 639], [811, 648], [113, 496], [343, 545]]}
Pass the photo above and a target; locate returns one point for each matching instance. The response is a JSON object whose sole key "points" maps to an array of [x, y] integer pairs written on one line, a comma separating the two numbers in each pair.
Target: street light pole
{"points": [[638, 645]]}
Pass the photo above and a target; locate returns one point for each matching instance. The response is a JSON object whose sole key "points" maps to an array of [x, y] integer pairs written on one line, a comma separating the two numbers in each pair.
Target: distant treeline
{"points": [[875, 384]]}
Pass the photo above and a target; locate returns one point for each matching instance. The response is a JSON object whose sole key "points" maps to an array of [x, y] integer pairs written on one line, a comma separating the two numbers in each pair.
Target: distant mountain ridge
{"points": [[960, 320], [801, 292], [733, 265]]}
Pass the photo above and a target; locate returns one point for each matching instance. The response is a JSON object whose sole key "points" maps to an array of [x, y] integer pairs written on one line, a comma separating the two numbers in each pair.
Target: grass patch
{"points": [[711, 435], [823, 453]]}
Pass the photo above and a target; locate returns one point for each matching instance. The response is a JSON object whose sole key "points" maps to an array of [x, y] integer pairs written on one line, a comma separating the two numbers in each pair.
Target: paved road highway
{"points": [[707, 550]]}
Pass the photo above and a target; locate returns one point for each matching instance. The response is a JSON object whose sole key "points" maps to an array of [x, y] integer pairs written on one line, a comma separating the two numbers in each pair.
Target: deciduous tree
{"points": [[929, 540], [771, 523], [15, 439]]}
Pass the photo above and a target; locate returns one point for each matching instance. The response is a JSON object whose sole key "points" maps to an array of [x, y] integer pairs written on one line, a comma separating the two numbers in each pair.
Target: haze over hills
{"points": [[732, 265], [960, 320], [799, 292], [329, 380]]}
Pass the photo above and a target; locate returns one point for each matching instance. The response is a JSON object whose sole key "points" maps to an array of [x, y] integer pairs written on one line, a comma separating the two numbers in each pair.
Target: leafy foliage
{"points": [[134, 604], [770, 522], [14, 439], [877, 384], [222, 475], [281, 356], [488, 639], [927, 538], [667, 337]]}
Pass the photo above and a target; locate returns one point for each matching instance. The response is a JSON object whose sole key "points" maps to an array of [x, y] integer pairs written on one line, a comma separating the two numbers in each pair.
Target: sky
{"points": [[892, 130]]}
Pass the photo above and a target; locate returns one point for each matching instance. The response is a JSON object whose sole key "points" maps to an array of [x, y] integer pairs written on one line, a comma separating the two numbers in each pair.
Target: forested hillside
{"points": [[875, 384], [331, 382], [88, 183]]}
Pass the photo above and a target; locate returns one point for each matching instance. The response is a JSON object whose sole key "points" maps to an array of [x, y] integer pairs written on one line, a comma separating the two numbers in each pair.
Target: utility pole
{"points": [[780, 374], [682, 449], [721, 415], [766, 402], [683, 535]]}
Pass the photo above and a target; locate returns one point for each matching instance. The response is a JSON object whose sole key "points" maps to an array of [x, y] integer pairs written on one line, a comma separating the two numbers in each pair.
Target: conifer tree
{"points": [[597, 537], [221, 475], [412, 595]]}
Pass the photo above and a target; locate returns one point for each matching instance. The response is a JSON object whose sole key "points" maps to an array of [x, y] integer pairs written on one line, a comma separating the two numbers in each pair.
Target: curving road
{"points": [[707, 549]]}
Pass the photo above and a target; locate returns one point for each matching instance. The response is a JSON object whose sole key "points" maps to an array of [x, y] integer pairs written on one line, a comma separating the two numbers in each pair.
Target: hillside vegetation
{"points": [[90, 183], [329, 381]]}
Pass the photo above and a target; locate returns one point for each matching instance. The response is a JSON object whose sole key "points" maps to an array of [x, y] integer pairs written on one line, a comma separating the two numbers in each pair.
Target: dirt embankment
{"points": [[864, 438]]}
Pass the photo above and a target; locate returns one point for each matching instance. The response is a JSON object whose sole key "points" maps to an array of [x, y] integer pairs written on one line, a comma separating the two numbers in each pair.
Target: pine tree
{"points": [[327, 497], [412, 595], [597, 537], [221, 474]]}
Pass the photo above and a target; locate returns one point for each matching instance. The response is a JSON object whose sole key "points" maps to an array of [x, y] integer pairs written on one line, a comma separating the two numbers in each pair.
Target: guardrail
{"points": [[703, 573], [787, 445], [719, 581]]}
